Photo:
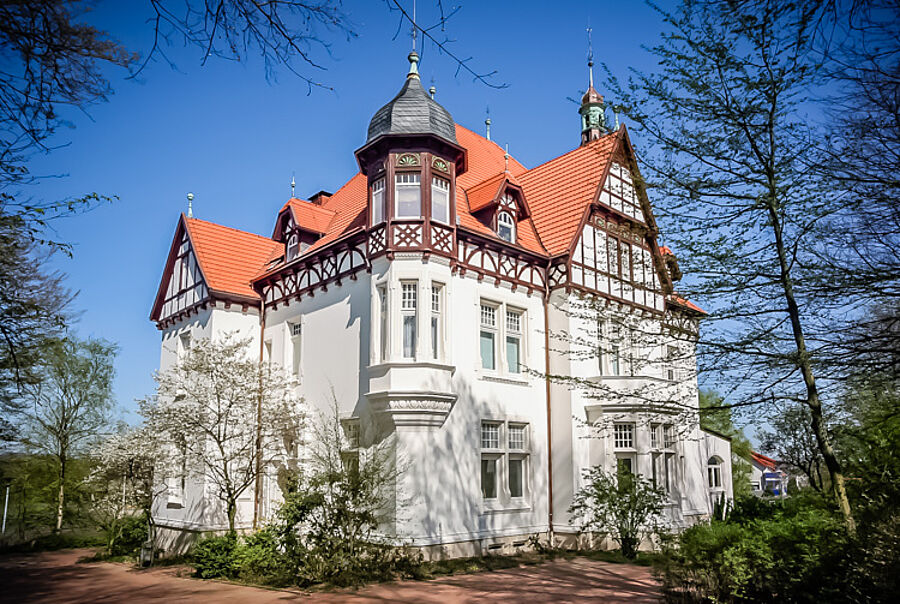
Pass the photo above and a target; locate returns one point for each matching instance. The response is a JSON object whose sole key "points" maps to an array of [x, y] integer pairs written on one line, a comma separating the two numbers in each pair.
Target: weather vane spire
{"points": [[414, 32], [590, 56], [293, 184], [190, 198]]}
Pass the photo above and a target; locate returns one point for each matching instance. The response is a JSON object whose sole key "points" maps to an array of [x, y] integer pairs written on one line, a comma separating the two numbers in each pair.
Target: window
{"points": [[668, 437], [408, 304], [295, 348], [517, 437], [490, 435], [437, 292], [382, 323], [488, 336], [378, 201], [714, 472], [292, 247], [440, 199], [509, 454], [513, 340], [184, 344], [490, 440], [671, 359], [408, 196], [506, 227], [623, 436], [654, 436], [624, 467]]}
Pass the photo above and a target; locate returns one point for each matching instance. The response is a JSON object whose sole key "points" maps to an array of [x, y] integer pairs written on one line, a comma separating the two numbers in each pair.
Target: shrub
{"points": [[132, 534], [215, 557], [259, 560], [795, 558], [623, 506]]}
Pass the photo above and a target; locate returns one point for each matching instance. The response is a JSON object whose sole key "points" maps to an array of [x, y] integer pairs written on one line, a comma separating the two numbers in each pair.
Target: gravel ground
{"points": [[57, 577]]}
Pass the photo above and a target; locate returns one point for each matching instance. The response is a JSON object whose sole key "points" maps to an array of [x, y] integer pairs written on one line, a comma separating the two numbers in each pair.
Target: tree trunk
{"points": [[232, 512], [61, 495], [805, 366]]}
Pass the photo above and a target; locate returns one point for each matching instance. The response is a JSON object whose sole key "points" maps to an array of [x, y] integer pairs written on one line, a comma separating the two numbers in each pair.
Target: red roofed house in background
{"points": [[425, 293]]}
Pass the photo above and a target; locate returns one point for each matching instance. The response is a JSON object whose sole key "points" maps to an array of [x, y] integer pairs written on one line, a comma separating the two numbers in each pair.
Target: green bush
{"points": [[132, 534], [215, 557], [795, 558], [259, 560]]}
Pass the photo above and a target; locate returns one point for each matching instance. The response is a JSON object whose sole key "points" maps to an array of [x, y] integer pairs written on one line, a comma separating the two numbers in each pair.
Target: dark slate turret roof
{"points": [[412, 111]]}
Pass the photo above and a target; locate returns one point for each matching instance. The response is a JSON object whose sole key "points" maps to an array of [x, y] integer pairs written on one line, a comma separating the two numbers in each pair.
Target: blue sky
{"points": [[225, 133]]}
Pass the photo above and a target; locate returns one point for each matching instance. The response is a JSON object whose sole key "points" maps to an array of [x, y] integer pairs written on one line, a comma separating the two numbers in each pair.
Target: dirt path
{"points": [[57, 577]]}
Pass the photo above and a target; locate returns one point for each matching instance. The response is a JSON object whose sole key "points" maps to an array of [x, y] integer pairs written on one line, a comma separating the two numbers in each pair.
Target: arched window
{"points": [[506, 227], [714, 472], [292, 247]]}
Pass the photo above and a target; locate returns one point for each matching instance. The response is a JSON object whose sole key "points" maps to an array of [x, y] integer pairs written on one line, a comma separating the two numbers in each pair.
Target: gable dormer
{"points": [[300, 224], [499, 204]]}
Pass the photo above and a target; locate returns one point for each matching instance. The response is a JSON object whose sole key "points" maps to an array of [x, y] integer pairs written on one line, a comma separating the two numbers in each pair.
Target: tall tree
{"points": [[727, 119], [68, 404], [216, 411]]}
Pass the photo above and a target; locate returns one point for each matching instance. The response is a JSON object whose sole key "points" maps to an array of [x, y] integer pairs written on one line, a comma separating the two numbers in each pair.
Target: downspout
{"points": [[257, 497], [549, 422]]}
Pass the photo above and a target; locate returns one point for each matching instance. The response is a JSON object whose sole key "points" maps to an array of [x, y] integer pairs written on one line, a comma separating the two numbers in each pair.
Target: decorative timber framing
{"points": [[499, 262], [340, 260]]}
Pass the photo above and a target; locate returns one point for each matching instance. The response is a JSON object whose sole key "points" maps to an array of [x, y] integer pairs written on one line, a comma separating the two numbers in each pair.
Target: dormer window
{"points": [[506, 227], [378, 201], [440, 199], [408, 195], [292, 247]]}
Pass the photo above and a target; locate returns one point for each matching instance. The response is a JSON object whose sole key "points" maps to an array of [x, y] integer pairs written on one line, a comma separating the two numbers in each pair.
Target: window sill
{"points": [[496, 507], [491, 376]]}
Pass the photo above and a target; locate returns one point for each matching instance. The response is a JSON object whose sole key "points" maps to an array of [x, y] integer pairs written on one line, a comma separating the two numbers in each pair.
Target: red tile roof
{"points": [[764, 461], [559, 191], [686, 303], [309, 216], [229, 258]]}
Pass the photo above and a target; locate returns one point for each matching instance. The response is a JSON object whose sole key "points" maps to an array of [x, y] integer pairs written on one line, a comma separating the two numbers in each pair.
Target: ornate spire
{"points": [[487, 123], [413, 59], [592, 110], [190, 198]]}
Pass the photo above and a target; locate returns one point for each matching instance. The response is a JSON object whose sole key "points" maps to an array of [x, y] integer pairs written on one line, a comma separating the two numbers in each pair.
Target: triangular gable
{"points": [[489, 193], [183, 284], [304, 215]]}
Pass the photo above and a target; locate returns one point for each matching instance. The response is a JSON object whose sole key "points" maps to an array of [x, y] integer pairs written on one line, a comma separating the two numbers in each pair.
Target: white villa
{"points": [[429, 294]]}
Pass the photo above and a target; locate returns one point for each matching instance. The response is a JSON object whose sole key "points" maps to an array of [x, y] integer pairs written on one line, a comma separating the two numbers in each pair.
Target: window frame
{"points": [[401, 184], [409, 309], [497, 448], [492, 329], [440, 186], [714, 473], [511, 225], [623, 436], [379, 214], [293, 241], [295, 332], [437, 320]]}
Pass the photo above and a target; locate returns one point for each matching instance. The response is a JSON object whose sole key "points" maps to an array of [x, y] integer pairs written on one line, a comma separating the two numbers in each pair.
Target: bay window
{"points": [[440, 199], [408, 307], [407, 195]]}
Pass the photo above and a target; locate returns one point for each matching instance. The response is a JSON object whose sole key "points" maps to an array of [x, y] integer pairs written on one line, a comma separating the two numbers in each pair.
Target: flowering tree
{"points": [[122, 481], [226, 414]]}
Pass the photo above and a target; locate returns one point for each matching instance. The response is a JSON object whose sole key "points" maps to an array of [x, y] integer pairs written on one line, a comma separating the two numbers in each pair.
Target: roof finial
{"points": [[616, 115], [506, 159], [414, 32], [190, 197], [590, 55], [487, 123], [293, 184], [432, 89], [413, 65]]}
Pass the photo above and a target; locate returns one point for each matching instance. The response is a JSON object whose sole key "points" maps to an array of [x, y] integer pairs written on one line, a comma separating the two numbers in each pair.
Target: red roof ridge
{"points": [[188, 220], [593, 143], [764, 460]]}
